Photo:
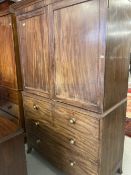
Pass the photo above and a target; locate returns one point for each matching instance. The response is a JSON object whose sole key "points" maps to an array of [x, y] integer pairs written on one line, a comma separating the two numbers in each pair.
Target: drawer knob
{"points": [[72, 141], [37, 123], [72, 121], [72, 164], [35, 107], [38, 141]]}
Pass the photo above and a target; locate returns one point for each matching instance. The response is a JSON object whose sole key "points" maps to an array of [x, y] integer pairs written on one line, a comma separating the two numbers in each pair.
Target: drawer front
{"points": [[67, 160], [39, 110], [70, 121], [9, 95], [10, 108]]}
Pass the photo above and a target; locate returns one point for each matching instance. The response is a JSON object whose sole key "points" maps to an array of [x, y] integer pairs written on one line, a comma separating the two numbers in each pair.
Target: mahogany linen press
{"points": [[74, 60]]}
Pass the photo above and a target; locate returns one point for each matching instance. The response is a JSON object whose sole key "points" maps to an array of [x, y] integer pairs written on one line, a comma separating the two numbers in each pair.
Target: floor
{"points": [[38, 166]]}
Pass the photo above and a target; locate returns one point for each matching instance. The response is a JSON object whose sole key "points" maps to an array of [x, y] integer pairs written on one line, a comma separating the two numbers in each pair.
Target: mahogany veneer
{"points": [[10, 76], [74, 60], [12, 154]]}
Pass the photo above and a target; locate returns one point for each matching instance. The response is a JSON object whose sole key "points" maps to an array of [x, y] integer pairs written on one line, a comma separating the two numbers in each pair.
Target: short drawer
{"points": [[39, 110], [67, 160], [68, 121], [10, 108]]}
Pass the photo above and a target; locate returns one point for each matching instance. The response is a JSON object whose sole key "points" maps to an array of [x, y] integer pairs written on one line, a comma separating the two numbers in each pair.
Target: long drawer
{"points": [[39, 110], [69, 160]]}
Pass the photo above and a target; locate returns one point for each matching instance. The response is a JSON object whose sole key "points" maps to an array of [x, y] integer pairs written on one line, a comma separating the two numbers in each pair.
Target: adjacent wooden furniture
{"points": [[74, 59], [12, 154], [10, 78]]}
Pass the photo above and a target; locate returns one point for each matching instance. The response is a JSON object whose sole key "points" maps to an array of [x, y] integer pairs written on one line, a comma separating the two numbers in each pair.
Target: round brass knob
{"points": [[72, 121], [72, 141], [35, 107], [23, 24], [38, 141], [72, 164], [37, 123]]}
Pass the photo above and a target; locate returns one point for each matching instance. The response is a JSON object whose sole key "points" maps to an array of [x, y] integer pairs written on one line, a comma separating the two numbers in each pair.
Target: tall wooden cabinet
{"points": [[74, 60], [10, 77]]}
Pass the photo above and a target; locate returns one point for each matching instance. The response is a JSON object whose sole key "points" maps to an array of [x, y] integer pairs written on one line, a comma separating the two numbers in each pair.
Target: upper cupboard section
{"points": [[60, 46]]}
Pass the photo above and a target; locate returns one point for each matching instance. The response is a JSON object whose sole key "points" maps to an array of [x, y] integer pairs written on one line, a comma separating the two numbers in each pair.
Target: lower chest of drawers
{"points": [[68, 139]]}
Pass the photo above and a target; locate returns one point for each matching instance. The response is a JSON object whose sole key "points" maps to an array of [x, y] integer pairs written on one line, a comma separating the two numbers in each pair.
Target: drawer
{"points": [[67, 160], [9, 95], [10, 108], [79, 144], [39, 110], [68, 121], [10, 117]]}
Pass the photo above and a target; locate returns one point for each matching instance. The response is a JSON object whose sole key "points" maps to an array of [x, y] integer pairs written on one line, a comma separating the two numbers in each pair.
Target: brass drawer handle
{"points": [[35, 107], [72, 164], [72, 121], [38, 141], [72, 141], [37, 123]]}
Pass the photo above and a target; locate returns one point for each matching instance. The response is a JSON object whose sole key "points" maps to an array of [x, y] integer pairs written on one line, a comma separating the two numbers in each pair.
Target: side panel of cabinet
{"points": [[77, 49], [117, 53], [7, 56], [33, 41]]}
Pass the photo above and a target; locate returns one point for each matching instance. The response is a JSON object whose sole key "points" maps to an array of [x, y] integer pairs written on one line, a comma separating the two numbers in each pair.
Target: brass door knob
{"points": [[72, 121], [72, 141], [38, 141], [37, 123], [72, 164], [35, 107]]}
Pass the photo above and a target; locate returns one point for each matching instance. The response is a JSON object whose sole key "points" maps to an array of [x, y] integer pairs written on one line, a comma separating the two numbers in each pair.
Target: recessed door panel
{"points": [[76, 33], [7, 57], [33, 41]]}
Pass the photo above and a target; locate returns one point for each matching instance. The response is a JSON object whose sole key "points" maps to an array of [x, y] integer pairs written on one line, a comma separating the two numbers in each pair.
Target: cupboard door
{"points": [[33, 41], [76, 35], [7, 56]]}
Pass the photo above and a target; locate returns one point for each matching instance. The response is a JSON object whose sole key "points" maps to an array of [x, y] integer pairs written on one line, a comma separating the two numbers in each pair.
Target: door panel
{"points": [[7, 57], [33, 41], [76, 30]]}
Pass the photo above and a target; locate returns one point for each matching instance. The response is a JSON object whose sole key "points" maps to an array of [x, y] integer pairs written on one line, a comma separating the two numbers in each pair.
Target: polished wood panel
{"points": [[33, 40], [112, 140], [7, 57], [75, 80], [117, 53], [6, 127], [10, 73], [12, 152]]}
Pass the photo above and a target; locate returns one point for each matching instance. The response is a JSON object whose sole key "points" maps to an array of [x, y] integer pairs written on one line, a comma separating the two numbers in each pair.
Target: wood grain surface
{"points": [[79, 126], [33, 41], [10, 73]]}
